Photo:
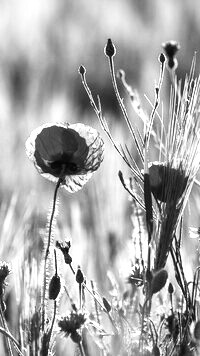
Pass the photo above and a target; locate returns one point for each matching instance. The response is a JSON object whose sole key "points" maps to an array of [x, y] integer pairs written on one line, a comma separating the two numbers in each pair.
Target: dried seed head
{"points": [[72, 322], [170, 288], [79, 276], [159, 280], [110, 50], [106, 304], [197, 330], [171, 48], [64, 247], [54, 287]]}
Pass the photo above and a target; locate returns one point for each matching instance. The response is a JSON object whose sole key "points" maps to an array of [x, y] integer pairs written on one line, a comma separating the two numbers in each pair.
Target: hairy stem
{"points": [[47, 251]]}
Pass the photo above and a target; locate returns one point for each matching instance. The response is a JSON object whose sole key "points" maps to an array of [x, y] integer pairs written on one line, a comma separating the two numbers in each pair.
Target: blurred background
{"points": [[42, 45]]}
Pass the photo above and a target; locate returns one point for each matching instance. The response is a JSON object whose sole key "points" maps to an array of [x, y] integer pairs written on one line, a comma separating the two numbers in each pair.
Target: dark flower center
{"points": [[67, 166]]}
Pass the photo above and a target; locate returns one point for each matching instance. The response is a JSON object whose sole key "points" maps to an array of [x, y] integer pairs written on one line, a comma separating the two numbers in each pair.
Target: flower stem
{"points": [[81, 349], [47, 251], [9, 349]]}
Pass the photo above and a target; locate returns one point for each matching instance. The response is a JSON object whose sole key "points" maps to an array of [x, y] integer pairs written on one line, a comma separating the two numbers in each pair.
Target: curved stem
{"points": [[11, 337], [47, 251]]}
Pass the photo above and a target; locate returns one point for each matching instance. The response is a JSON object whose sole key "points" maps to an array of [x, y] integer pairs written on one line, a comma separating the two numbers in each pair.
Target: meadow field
{"points": [[106, 266]]}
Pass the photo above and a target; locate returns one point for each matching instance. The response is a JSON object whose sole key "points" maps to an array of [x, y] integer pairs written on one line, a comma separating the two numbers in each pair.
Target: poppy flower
{"points": [[67, 152], [167, 183]]}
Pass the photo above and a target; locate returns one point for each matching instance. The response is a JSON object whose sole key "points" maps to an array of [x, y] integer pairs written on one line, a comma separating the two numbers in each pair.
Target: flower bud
{"points": [[79, 276], [106, 304], [82, 70], [170, 288], [110, 50], [197, 330], [161, 58], [158, 281], [54, 287]]}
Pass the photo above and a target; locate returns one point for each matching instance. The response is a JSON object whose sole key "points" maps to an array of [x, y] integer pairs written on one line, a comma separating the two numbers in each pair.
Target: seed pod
{"points": [[106, 305], [54, 287], [197, 330], [158, 281]]}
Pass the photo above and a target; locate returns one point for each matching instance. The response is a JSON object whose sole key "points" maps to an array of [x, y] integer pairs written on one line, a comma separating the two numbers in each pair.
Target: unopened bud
{"points": [[158, 281], [110, 50], [161, 58], [68, 259], [197, 330], [79, 276], [170, 288], [82, 70], [106, 304], [54, 287]]}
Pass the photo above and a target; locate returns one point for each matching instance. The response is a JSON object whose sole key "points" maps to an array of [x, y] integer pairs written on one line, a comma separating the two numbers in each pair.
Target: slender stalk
{"points": [[53, 320], [122, 107], [81, 349], [8, 344], [47, 251], [11, 337]]}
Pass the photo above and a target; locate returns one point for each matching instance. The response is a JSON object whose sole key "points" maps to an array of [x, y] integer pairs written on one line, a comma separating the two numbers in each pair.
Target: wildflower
{"points": [[67, 152], [71, 325], [172, 177]]}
